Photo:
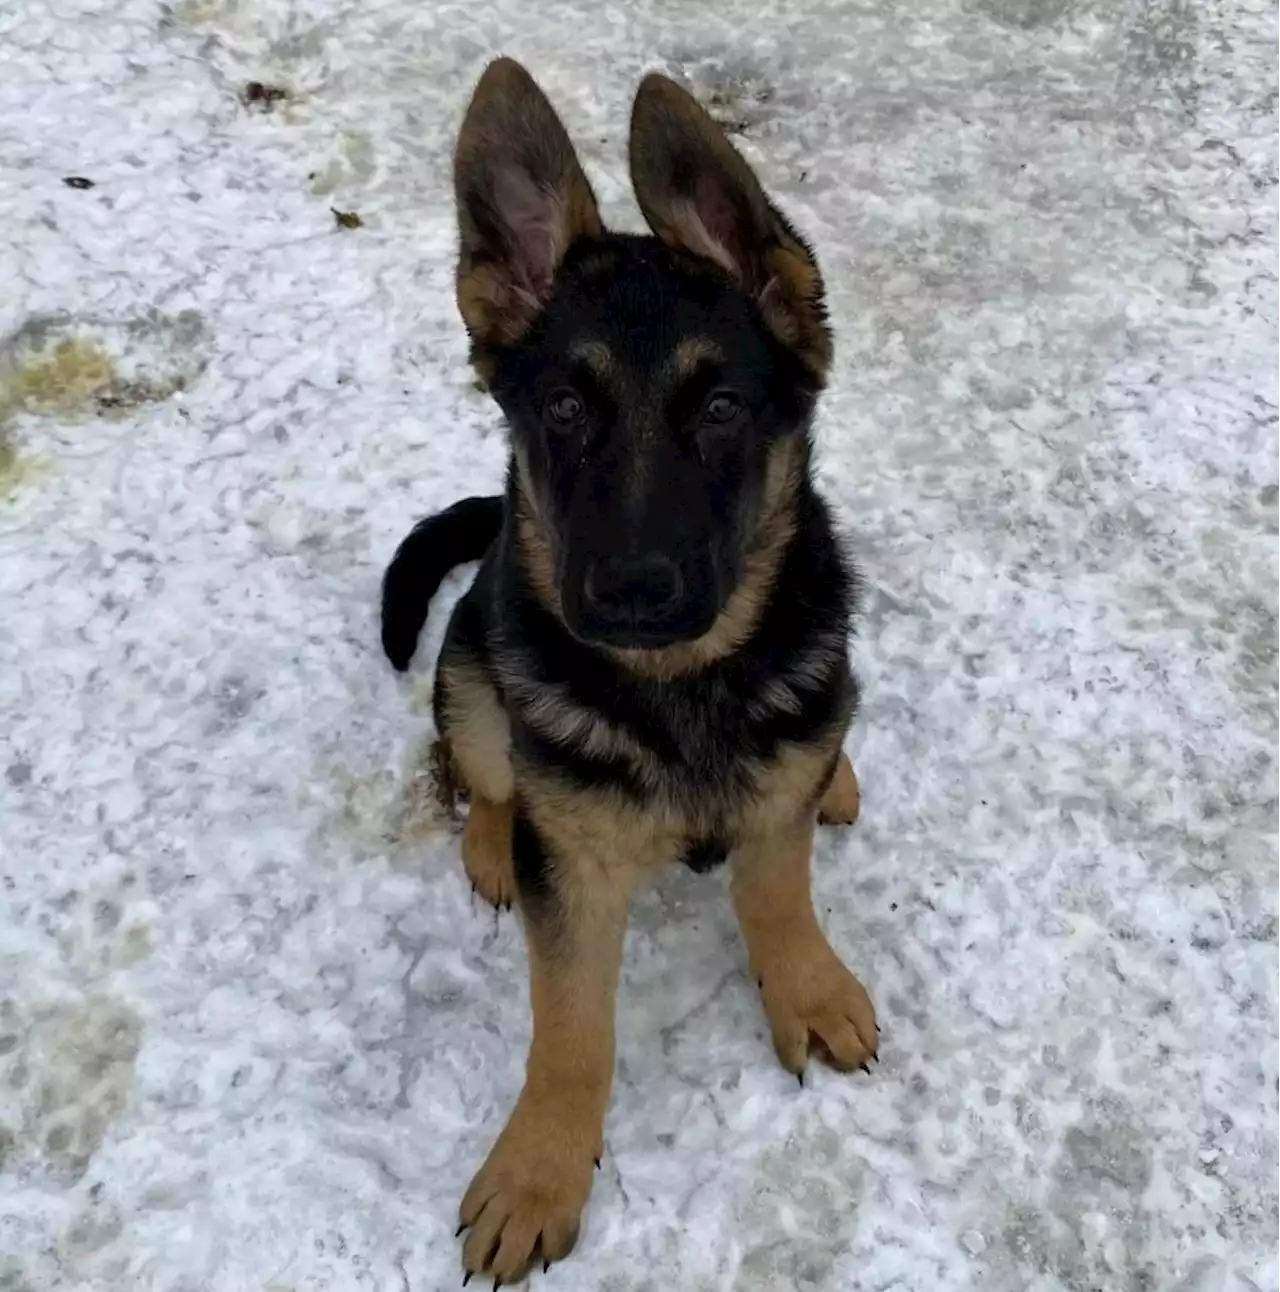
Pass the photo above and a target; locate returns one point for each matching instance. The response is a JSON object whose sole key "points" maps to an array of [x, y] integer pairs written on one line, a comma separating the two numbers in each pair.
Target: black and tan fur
{"points": [[651, 664]]}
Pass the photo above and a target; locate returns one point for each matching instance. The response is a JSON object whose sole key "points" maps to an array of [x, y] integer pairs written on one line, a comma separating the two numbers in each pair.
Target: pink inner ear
{"points": [[531, 216], [722, 221]]}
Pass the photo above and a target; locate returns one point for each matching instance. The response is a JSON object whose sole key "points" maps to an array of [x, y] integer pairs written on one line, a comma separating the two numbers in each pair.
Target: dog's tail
{"points": [[429, 551]]}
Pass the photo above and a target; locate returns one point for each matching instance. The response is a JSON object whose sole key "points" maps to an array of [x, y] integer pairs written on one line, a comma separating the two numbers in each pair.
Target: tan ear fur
{"points": [[697, 193], [522, 201]]}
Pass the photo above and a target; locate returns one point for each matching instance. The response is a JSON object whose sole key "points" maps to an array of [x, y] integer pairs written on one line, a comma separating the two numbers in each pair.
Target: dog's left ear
{"points": [[522, 200], [696, 192]]}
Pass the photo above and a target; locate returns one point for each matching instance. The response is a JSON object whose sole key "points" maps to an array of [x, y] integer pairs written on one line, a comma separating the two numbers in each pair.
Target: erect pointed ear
{"points": [[696, 192], [522, 200]]}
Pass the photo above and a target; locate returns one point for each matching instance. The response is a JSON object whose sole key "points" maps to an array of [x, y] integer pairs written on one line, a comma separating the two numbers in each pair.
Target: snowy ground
{"points": [[255, 1036]]}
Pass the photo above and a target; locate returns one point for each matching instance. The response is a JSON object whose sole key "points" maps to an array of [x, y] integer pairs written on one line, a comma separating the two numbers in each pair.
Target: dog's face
{"points": [[643, 403], [656, 388]]}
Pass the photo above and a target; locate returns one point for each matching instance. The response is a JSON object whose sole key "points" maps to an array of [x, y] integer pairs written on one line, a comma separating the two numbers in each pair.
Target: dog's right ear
{"points": [[698, 193], [522, 200]]}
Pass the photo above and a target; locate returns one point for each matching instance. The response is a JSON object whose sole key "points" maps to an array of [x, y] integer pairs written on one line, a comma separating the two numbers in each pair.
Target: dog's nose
{"points": [[637, 590]]}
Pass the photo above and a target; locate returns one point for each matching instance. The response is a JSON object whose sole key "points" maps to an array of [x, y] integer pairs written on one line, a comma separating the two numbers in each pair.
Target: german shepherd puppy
{"points": [[652, 662]]}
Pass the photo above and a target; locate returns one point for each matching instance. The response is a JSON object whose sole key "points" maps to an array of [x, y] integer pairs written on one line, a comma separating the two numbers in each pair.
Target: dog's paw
{"points": [[525, 1203], [486, 852], [842, 800], [815, 1004]]}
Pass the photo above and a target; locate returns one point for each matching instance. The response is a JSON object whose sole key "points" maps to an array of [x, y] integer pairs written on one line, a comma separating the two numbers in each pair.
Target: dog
{"points": [[651, 664]]}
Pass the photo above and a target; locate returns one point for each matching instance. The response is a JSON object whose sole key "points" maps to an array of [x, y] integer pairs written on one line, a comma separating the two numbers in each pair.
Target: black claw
{"points": [[877, 1029], [800, 1079], [466, 1278], [546, 1265], [760, 983], [508, 903], [473, 888], [876, 1056], [459, 1229], [497, 1283], [865, 1069], [596, 1160]]}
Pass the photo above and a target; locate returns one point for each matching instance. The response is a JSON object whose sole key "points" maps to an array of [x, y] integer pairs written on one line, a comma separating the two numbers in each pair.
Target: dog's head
{"points": [[658, 389]]}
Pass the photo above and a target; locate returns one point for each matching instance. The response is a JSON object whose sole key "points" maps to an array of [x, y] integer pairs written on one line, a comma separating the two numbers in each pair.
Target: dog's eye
{"points": [[721, 409], [564, 408]]}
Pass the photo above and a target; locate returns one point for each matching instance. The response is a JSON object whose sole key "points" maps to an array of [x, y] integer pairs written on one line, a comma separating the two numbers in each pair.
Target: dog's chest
{"points": [[707, 757], [705, 853], [704, 729]]}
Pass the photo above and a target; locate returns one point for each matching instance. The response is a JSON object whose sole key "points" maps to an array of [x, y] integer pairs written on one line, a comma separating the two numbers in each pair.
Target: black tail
{"points": [[429, 551]]}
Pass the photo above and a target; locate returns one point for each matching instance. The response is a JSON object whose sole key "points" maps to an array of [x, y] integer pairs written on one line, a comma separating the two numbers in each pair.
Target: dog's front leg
{"points": [[526, 1200], [808, 993]]}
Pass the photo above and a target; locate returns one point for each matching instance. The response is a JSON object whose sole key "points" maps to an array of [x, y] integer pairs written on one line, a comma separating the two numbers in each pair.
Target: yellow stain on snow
{"points": [[61, 380], [68, 378], [16, 469]]}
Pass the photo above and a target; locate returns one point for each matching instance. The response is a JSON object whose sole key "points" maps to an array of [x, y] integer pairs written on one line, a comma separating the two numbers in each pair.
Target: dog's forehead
{"points": [[637, 312], [670, 364]]}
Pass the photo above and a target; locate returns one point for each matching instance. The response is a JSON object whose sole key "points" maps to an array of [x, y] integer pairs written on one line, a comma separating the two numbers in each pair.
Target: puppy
{"points": [[651, 665]]}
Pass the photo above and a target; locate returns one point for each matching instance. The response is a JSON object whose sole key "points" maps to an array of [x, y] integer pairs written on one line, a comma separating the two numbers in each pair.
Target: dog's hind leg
{"points": [[842, 799], [473, 724], [479, 742], [486, 851]]}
